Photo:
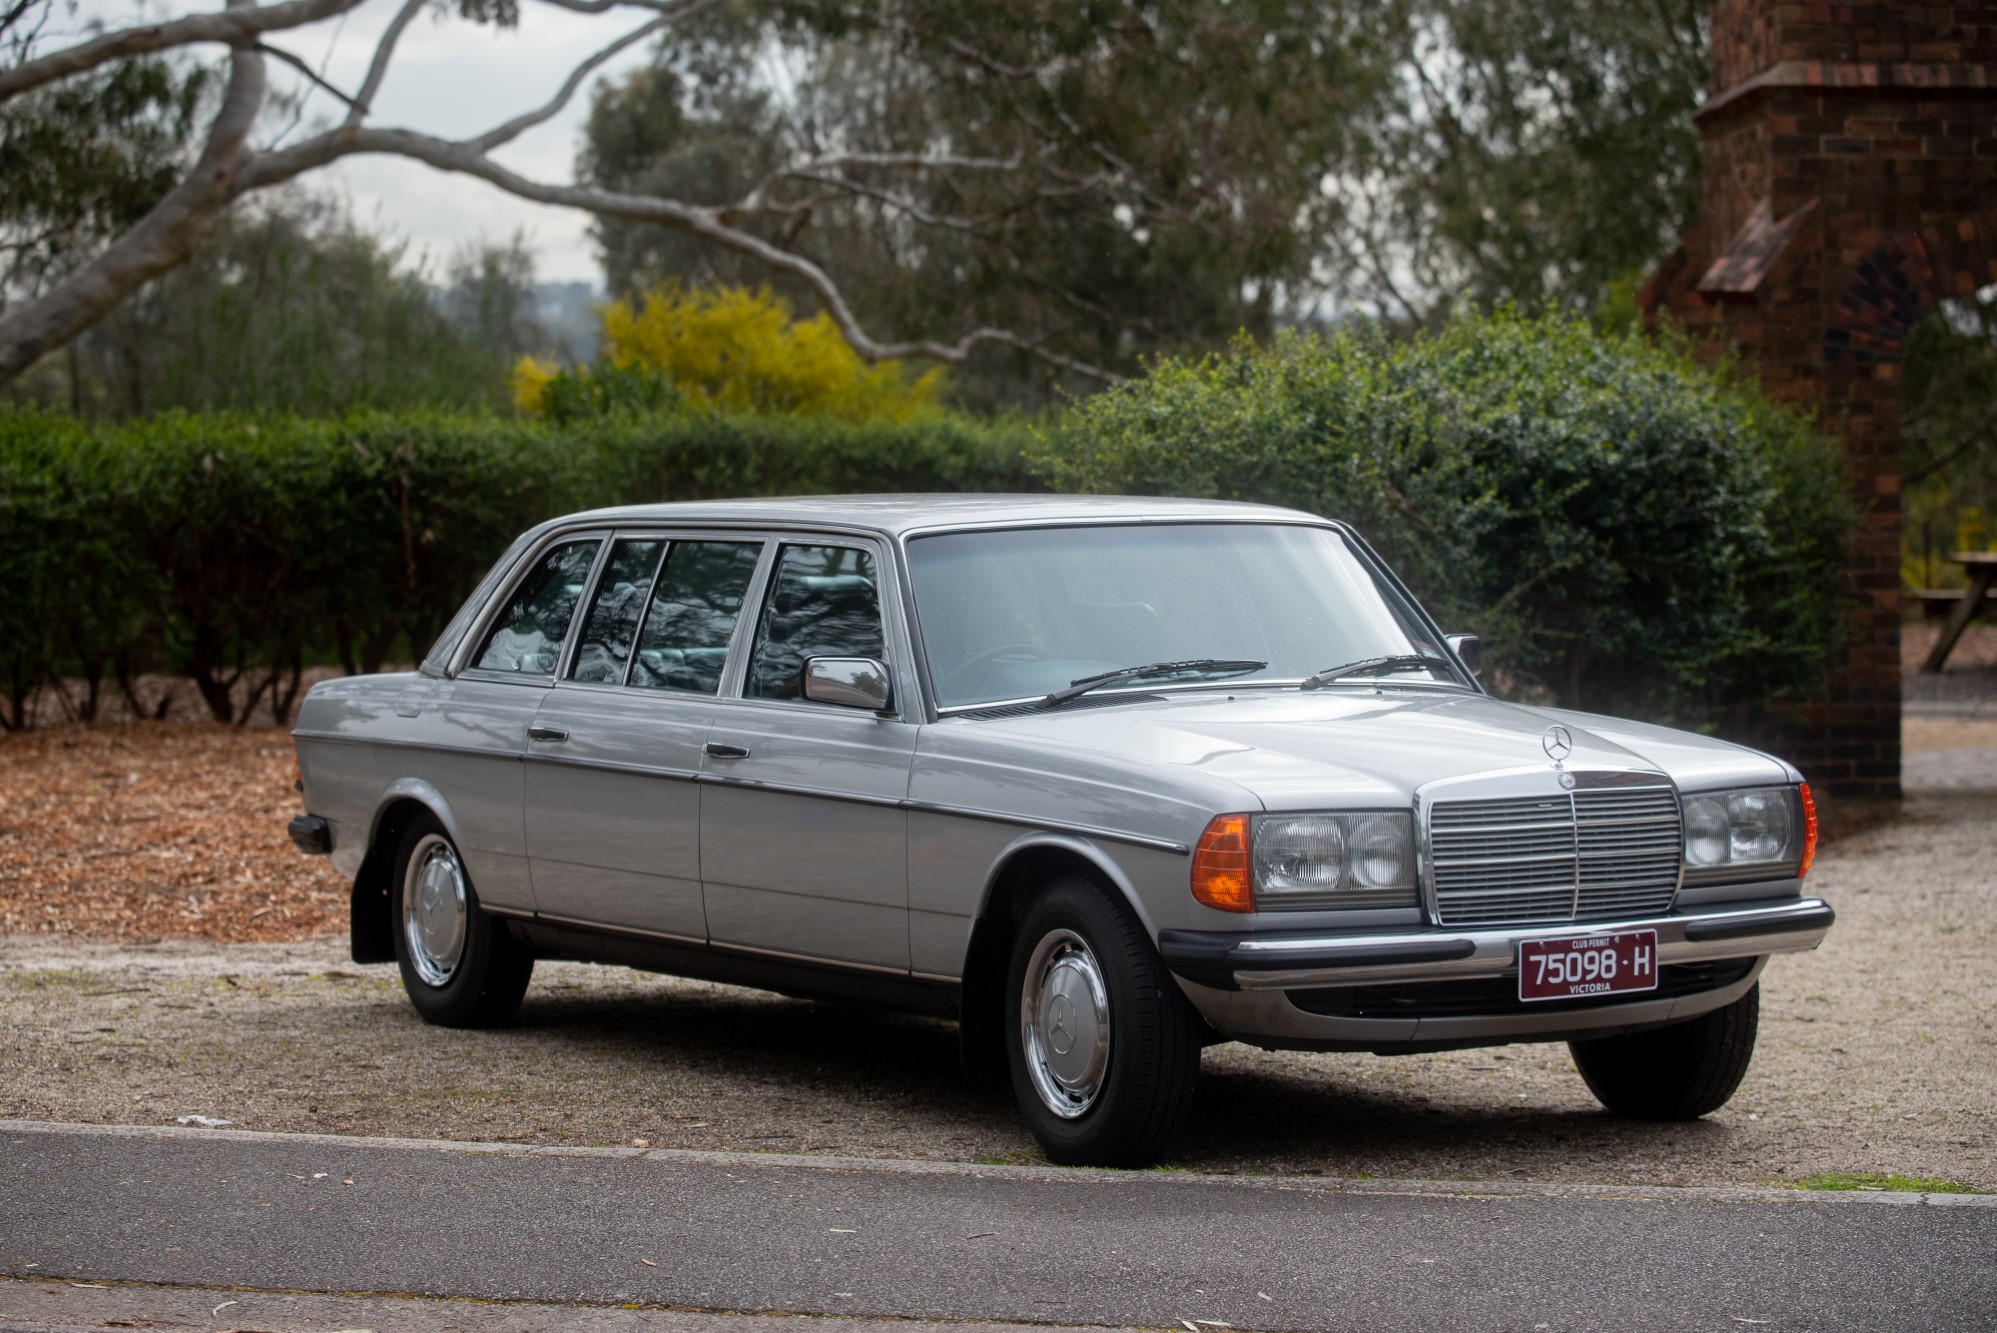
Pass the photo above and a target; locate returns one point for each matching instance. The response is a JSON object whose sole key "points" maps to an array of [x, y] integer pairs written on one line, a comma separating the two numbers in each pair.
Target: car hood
{"points": [[1297, 750]]}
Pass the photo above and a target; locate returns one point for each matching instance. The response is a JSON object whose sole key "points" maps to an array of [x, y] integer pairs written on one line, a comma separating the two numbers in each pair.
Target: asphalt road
{"points": [[741, 1232]]}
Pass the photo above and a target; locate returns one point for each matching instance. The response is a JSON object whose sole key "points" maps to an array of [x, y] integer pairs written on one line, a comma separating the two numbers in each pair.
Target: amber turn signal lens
{"points": [[1809, 832], [1220, 865]]}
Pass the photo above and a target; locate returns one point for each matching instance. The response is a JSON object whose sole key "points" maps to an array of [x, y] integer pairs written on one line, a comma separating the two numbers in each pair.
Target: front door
{"points": [[613, 815], [804, 841]]}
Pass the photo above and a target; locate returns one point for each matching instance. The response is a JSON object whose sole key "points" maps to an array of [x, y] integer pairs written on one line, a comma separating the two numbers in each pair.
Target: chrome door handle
{"points": [[720, 751], [541, 733]]}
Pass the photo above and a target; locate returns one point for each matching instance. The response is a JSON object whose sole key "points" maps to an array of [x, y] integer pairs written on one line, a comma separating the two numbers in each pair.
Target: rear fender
{"points": [[371, 925]]}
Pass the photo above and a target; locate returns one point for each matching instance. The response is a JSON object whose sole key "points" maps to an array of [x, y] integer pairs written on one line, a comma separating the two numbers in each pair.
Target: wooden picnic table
{"points": [[1981, 567]]}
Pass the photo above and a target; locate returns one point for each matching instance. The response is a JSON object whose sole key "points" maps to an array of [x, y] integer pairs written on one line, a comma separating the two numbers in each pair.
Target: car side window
{"points": [[695, 603], [824, 601], [612, 623], [528, 634]]}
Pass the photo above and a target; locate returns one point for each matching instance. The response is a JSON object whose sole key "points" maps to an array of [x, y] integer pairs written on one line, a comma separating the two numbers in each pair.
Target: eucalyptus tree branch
{"points": [[234, 25], [162, 239], [758, 200], [384, 51], [693, 219], [900, 203], [512, 129], [299, 64]]}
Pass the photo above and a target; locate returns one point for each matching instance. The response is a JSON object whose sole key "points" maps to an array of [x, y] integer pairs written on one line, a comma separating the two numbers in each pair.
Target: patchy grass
{"points": [[1880, 1181]]}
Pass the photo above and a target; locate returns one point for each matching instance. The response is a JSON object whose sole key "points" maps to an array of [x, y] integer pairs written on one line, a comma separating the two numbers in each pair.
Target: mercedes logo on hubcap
{"points": [[1558, 743], [1059, 1025]]}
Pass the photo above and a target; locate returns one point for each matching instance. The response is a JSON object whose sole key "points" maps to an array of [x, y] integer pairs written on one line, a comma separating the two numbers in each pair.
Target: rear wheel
{"points": [[1103, 1048], [1681, 1072], [459, 965]]}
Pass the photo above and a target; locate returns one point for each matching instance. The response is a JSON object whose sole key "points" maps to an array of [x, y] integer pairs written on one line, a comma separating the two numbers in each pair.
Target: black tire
{"points": [[1144, 1093], [489, 969], [1681, 1072]]}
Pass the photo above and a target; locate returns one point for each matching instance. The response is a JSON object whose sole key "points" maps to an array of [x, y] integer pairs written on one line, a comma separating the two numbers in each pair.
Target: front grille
{"points": [[1579, 856]]}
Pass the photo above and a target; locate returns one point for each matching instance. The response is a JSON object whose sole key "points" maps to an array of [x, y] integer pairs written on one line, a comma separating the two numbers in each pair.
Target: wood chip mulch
{"points": [[155, 830]]}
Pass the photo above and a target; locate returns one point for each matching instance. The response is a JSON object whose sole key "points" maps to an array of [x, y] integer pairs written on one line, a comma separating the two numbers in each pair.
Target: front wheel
{"points": [[460, 967], [1103, 1048], [1681, 1072]]}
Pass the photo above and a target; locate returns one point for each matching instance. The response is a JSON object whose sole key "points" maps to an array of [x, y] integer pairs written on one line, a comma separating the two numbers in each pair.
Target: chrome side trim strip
{"points": [[515, 913], [958, 811], [782, 788], [334, 738], [792, 789], [1052, 825], [612, 766]]}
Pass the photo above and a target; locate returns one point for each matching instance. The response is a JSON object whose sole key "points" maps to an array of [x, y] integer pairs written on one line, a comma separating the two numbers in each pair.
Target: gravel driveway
{"points": [[1877, 1054]]}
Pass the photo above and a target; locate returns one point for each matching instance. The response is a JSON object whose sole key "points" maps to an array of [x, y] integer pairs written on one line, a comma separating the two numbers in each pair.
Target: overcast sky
{"points": [[454, 78]]}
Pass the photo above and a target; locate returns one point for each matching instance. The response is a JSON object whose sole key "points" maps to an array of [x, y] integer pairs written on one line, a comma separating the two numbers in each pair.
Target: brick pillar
{"points": [[1850, 169]]}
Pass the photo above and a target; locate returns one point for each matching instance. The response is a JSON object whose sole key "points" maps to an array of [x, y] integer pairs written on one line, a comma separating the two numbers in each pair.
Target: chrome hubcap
{"points": [[1064, 1023], [434, 909]]}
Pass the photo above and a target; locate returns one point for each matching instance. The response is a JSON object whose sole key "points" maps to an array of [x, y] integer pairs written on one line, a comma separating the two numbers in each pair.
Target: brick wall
{"points": [[1850, 181]]}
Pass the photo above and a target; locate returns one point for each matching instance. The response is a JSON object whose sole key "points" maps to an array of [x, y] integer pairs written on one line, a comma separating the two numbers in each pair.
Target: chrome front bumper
{"points": [[1267, 961], [1240, 983]]}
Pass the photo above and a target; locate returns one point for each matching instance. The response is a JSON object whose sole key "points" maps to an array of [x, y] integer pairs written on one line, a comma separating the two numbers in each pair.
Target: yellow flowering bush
{"points": [[732, 350], [529, 380]]}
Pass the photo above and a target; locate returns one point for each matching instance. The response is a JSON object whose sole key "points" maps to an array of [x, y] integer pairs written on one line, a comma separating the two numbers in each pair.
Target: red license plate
{"points": [[1587, 965]]}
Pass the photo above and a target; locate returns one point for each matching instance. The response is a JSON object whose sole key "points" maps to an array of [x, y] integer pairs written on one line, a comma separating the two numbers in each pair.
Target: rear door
{"points": [[612, 810], [804, 838]]}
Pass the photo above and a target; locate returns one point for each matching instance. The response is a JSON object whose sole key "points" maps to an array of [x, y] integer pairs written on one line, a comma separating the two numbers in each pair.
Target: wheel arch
{"points": [[371, 925], [1026, 863]]}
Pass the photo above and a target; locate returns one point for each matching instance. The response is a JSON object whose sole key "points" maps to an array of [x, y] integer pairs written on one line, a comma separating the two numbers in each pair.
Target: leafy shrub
{"points": [[230, 548], [1629, 532], [730, 350]]}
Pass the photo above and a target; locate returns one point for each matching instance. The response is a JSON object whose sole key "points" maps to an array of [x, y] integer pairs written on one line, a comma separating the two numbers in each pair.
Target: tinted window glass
{"points": [[528, 635], [823, 602], [684, 642], [612, 622]]}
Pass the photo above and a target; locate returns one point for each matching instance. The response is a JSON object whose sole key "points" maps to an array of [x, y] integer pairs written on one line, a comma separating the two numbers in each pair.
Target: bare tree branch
{"points": [[233, 25], [302, 67], [900, 203], [695, 220], [384, 51], [161, 240], [228, 169], [757, 200], [512, 129]]}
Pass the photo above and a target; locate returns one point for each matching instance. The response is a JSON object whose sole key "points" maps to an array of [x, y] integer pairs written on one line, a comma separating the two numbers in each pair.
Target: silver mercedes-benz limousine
{"points": [[1106, 780]]}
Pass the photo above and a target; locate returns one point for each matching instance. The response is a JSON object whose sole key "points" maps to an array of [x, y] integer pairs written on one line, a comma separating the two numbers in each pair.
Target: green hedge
{"points": [[1629, 532], [223, 547]]}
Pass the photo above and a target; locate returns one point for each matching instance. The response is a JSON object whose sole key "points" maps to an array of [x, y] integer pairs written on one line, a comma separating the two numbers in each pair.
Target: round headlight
{"points": [[1707, 839], [1300, 854], [1379, 853], [1761, 825]]}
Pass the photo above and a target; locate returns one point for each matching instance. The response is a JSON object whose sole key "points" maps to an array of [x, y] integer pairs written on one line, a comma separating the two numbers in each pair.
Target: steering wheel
{"points": [[962, 677]]}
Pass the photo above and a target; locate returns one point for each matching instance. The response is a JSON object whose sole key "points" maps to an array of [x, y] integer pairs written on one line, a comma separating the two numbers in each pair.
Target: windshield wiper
{"points": [[1205, 666], [1371, 666]]}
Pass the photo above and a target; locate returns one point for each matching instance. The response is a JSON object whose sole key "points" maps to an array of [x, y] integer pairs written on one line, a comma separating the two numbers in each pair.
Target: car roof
{"points": [[896, 515]]}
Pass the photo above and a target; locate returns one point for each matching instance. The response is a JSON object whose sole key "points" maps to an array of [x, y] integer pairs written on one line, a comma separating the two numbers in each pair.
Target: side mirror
{"points": [[1469, 650], [850, 682]]}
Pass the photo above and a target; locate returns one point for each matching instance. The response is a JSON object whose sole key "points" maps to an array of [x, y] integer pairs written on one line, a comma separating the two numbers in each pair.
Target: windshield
{"points": [[1020, 614]]}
